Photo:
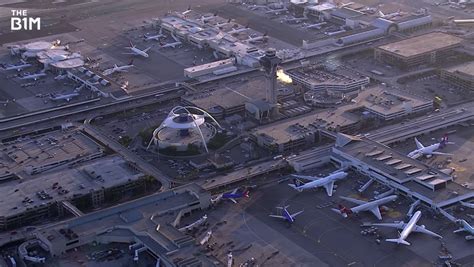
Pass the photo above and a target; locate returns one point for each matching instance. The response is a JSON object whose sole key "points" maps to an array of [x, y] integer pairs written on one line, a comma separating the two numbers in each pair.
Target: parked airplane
{"points": [[429, 150], [34, 76], [285, 215], [137, 52], [326, 182], [238, 30], [232, 196], [194, 224], [116, 68], [17, 67], [391, 15], [155, 37], [172, 45], [407, 229], [256, 39], [315, 26], [187, 11], [465, 227], [222, 24], [277, 11], [67, 97], [205, 19], [372, 206]]}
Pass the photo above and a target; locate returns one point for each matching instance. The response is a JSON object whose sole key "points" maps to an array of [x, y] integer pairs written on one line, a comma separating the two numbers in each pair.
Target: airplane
{"points": [[136, 51], [184, 13], [205, 19], [232, 196], [194, 224], [154, 37], [466, 204], [315, 26], [172, 45], [67, 97], [285, 215], [391, 15], [18, 67], [276, 11], [429, 150], [34, 76], [407, 229], [256, 39], [465, 227], [222, 24], [326, 182], [255, 7], [372, 206], [238, 30], [116, 68]]}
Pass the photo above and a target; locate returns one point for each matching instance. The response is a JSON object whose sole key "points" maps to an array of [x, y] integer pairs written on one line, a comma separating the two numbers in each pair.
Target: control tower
{"points": [[270, 63]]}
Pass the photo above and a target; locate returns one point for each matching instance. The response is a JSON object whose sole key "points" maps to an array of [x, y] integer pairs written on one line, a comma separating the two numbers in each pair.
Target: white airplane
{"points": [[137, 52], [184, 13], [372, 206], [194, 224], [34, 76], [285, 215], [465, 227], [391, 15], [315, 26], [256, 39], [205, 19], [174, 44], [429, 150], [116, 68], [466, 204], [222, 24], [407, 229], [277, 11], [155, 37], [17, 67], [326, 182], [238, 30], [67, 97]]}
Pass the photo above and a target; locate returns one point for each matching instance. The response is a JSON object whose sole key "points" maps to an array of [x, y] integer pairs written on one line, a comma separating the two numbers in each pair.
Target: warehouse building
{"points": [[424, 49]]}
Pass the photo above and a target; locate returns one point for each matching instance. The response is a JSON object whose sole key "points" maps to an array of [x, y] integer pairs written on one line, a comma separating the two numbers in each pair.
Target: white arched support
{"points": [[174, 113]]}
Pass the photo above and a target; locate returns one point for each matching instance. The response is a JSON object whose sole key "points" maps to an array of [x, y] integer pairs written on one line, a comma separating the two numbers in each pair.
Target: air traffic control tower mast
{"points": [[270, 63]]}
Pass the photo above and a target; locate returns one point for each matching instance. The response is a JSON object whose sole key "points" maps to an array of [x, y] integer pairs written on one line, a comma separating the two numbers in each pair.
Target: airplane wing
{"points": [[306, 177], [376, 211], [441, 153], [353, 200], [417, 155], [419, 145], [234, 191], [233, 200], [277, 216], [146, 50], [421, 229], [129, 53], [399, 225], [329, 188], [296, 213]]}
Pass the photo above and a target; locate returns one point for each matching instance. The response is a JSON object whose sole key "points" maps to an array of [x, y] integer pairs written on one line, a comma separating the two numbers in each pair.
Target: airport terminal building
{"points": [[461, 76]]}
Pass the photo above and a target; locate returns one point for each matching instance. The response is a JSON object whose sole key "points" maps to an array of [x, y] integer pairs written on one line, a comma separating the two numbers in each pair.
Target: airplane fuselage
{"points": [[320, 182], [370, 205], [410, 225], [288, 216], [139, 52]]}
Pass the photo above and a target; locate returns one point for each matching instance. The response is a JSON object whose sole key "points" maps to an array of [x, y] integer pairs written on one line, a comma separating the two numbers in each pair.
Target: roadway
{"points": [[127, 154]]}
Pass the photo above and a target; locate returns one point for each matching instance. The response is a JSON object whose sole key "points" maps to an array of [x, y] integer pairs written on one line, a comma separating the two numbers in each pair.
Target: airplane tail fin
{"points": [[131, 62], [398, 241], [246, 193], [295, 186], [131, 44], [342, 210]]}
